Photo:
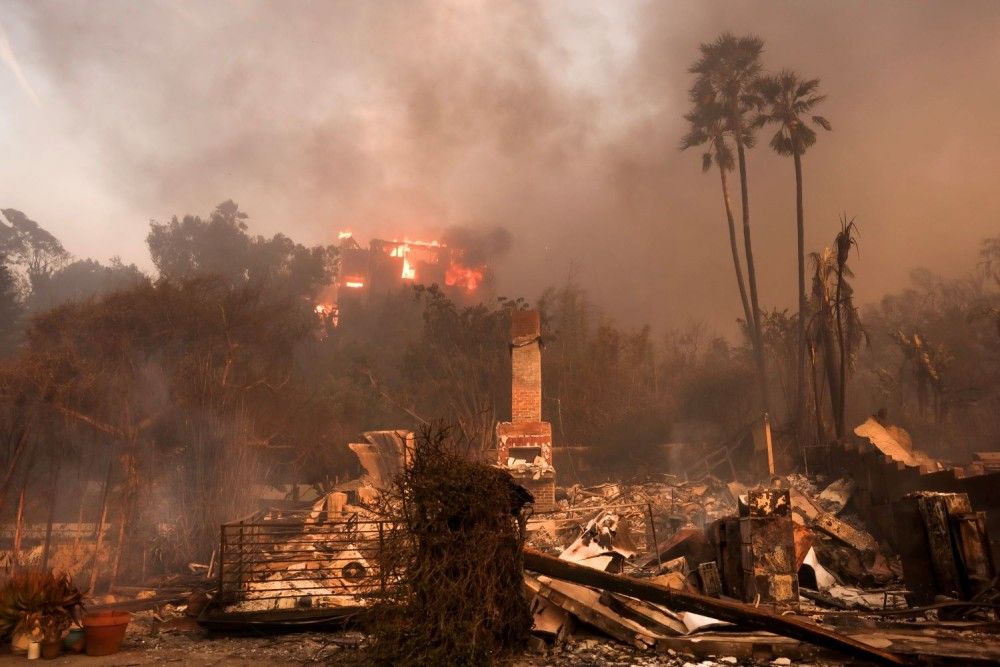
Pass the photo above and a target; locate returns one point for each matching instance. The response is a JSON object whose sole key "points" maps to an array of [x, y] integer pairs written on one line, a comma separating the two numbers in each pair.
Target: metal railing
{"points": [[300, 559]]}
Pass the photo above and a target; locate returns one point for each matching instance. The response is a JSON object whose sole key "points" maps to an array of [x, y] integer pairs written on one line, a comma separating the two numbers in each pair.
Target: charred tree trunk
{"points": [[19, 525], [752, 277], [99, 530], [53, 494], [735, 250], [842, 386], [832, 377], [800, 407], [19, 451], [817, 396], [120, 544]]}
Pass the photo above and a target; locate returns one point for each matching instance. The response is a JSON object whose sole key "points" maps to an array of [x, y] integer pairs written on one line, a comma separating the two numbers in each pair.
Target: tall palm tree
{"points": [[787, 102], [708, 129], [726, 74]]}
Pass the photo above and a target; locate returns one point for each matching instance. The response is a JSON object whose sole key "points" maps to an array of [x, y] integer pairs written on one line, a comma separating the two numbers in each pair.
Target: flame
{"points": [[402, 250], [415, 252], [344, 235], [323, 309], [463, 276]]}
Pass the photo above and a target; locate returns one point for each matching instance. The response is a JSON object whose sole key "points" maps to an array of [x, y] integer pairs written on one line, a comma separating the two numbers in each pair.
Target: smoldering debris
{"points": [[696, 569]]}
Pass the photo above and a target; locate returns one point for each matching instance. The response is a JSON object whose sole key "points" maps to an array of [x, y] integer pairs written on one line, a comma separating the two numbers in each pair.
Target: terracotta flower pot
{"points": [[105, 631]]}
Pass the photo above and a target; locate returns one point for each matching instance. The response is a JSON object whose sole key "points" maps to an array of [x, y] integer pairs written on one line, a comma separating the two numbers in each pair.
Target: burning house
{"points": [[384, 267]]}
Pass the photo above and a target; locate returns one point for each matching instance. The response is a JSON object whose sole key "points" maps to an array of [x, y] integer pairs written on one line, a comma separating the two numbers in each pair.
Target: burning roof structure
{"points": [[385, 266]]}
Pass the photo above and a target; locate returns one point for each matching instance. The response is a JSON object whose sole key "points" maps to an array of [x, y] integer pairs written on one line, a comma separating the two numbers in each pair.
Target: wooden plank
{"points": [[974, 555], [846, 533], [934, 512], [723, 610], [914, 554], [585, 604], [814, 515], [744, 646], [550, 621], [658, 621]]}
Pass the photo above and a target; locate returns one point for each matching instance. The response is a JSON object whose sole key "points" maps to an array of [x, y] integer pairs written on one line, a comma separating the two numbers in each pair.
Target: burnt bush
{"points": [[455, 553]]}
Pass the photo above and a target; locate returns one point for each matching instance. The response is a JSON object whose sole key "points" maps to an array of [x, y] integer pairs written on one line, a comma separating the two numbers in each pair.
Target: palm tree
{"points": [[786, 101], [928, 362], [708, 129], [835, 328], [726, 74], [845, 240]]}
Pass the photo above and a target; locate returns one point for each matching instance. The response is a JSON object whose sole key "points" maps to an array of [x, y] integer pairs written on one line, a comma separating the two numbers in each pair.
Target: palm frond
{"points": [[806, 88], [782, 143], [785, 98], [822, 122]]}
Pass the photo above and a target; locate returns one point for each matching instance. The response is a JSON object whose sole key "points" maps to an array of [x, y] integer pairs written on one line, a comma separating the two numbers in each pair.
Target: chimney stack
{"points": [[524, 444], [526, 366]]}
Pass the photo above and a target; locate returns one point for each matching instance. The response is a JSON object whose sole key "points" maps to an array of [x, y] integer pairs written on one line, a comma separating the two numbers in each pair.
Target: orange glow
{"points": [[402, 250], [323, 309], [463, 276], [344, 235], [425, 253]]}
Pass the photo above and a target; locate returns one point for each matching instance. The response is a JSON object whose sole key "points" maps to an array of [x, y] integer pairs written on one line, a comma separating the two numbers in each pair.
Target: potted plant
{"points": [[38, 606]]}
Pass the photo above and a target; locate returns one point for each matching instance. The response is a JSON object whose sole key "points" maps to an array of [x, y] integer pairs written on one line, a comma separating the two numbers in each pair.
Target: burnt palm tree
{"points": [[787, 102], [927, 362], [847, 321], [726, 75], [835, 332], [708, 129]]}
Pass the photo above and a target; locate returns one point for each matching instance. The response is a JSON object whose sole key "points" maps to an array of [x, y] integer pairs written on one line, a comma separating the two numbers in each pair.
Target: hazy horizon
{"points": [[559, 121]]}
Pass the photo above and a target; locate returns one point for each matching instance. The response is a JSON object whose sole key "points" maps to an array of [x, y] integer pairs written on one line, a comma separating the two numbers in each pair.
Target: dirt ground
{"points": [[181, 642], [200, 650]]}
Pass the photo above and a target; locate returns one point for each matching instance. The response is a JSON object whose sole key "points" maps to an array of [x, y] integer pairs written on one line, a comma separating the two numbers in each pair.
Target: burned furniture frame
{"points": [[300, 559]]}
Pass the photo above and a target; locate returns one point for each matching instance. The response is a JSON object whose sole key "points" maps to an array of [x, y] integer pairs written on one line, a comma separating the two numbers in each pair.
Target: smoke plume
{"points": [[556, 121]]}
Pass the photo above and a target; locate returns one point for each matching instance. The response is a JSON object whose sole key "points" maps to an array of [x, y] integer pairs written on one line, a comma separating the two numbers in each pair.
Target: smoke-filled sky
{"points": [[558, 120]]}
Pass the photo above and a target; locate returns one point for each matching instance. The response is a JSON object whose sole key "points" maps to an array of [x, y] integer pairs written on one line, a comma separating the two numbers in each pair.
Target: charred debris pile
{"points": [[449, 558]]}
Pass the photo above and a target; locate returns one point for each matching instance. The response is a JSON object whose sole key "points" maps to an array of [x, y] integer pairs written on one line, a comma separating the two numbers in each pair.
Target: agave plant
{"points": [[39, 603]]}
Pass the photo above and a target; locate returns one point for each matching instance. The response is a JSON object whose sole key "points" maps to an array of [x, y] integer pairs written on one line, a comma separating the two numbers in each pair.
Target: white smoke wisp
{"points": [[9, 59]]}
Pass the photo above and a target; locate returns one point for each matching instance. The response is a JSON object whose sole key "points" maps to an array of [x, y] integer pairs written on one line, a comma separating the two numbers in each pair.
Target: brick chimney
{"points": [[526, 366], [526, 438]]}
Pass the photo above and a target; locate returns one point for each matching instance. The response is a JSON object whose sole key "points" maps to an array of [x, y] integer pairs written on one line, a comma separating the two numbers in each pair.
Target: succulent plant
{"points": [[41, 604]]}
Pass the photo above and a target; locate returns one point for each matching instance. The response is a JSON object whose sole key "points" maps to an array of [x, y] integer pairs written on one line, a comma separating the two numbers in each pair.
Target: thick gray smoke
{"points": [[557, 121], [480, 245]]}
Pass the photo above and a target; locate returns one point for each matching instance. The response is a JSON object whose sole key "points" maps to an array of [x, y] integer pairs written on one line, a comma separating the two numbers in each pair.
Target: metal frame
{"points": [[300, 559]]}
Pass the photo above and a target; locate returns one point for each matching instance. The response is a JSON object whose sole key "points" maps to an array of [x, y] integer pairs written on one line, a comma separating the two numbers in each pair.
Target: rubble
{"points": [[741, 614], [944, 547], [805, 535], [682, 572]]}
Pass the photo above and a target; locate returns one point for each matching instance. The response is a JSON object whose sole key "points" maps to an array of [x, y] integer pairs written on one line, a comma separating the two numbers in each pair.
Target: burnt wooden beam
{"points": [[723, 610]]}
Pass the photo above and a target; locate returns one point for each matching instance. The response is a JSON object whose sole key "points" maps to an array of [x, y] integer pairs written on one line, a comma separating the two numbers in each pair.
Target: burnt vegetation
{"points": [[454, 555], [173, 399]]}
